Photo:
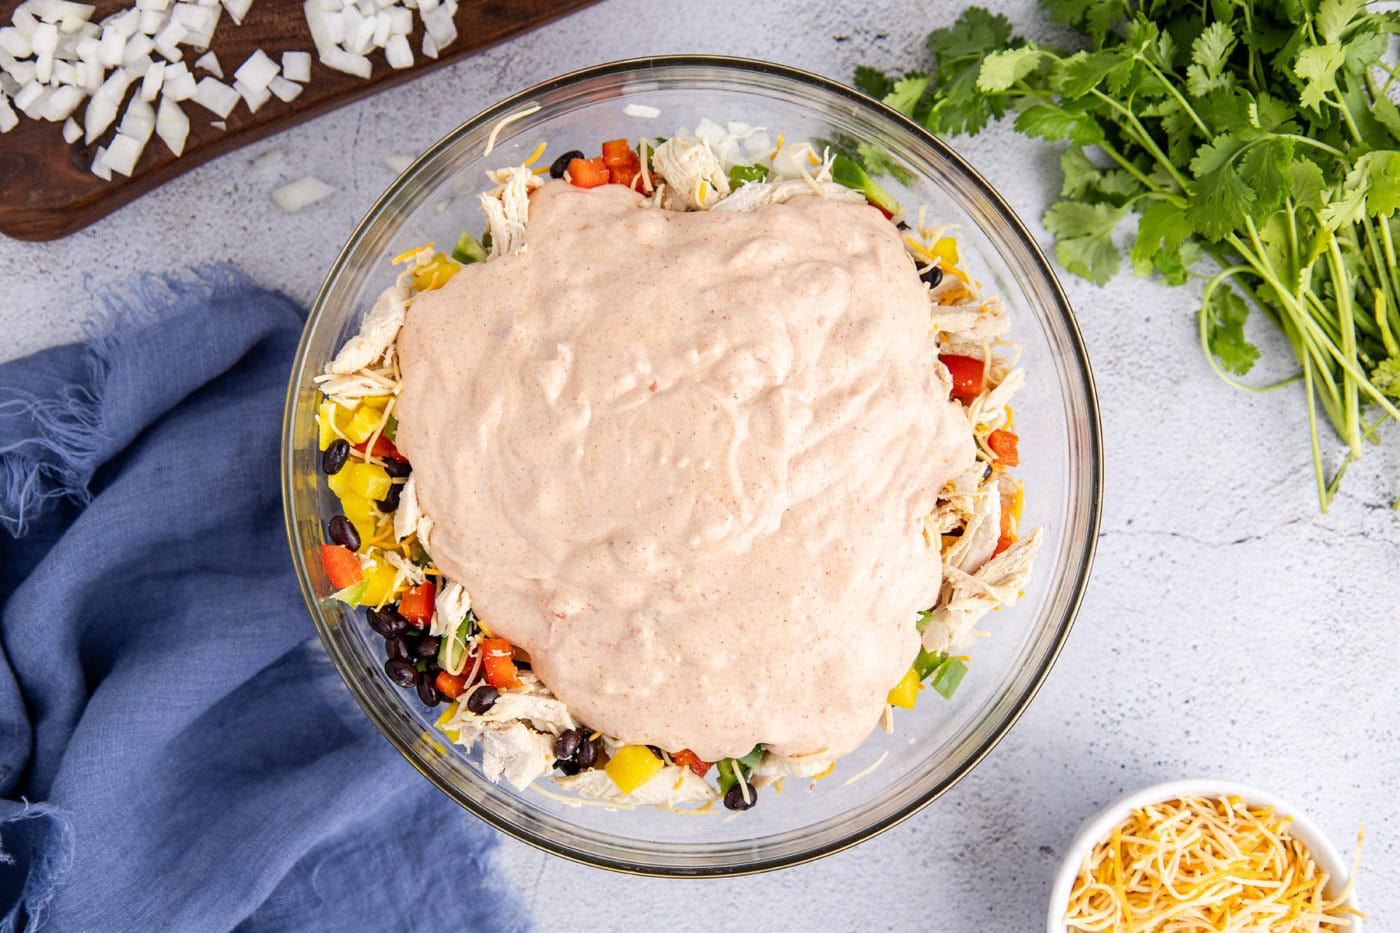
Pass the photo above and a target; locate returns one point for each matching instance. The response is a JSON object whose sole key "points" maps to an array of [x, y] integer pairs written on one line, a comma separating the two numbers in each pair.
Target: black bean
{"points": [[430, 667], [741, 796], [561, 164], [397, 468], [343, 532], [587, 753], [428, 693], [901, 225], [401, 672], [566, 767], [396, 646], [932, 275], [335, 456], [567, 745], [482, 699], [428, 646], [386, 621], [390, 503]]}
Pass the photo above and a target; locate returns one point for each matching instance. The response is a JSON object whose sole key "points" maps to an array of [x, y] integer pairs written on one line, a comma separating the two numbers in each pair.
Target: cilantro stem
{"points": [[1203, 330], [1171, 87], [1144, 137], [1322, 496], [1343, 290]]}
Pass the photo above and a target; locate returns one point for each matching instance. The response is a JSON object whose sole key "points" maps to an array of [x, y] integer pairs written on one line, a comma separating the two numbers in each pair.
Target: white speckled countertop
{"points": [[1229, 630]]}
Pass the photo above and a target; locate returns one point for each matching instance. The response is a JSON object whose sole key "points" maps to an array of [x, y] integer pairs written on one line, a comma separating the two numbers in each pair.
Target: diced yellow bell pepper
{"points": [[632, 766], [357, 478], [376, 401], [380, 577], [946, 249], [435, 274], [328, 413], [906, 692], [361, 515], [362, 423]]}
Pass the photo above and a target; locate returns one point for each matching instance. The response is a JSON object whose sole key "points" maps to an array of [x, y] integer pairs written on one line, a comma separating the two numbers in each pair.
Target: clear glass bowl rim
{"points": [[494, 113]]}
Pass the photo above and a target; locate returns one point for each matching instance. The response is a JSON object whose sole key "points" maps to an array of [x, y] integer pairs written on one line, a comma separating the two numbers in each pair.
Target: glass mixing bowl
{"points": [[1056, 418]]}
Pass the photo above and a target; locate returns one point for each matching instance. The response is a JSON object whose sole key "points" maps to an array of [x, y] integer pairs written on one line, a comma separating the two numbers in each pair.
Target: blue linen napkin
{"points": [[176, 752]]}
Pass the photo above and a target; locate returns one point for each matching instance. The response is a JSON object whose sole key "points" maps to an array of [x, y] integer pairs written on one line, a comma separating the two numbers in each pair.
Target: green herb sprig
{"points": [[1255, 133]]}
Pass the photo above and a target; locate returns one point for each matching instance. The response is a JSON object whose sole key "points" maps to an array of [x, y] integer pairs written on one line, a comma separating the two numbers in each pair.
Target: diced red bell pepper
{"points": [[968, 374], [1008, 527], [341, 565], [623, 163], [588, 173], [888, 214], [383, 448], [417, 604], [451, 685], [497, 660], [688, 759], [1003, 445]]}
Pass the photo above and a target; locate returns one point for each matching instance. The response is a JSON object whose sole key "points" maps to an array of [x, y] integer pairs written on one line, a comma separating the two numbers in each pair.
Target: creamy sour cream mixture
{"points": [[684, 461]]}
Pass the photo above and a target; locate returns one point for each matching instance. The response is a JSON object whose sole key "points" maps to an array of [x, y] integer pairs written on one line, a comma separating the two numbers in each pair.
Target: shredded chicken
{"points": [[507, 208], [695, 179], [752, 196], [449, 608], [409, 512], [967, 597], [516, 752], [377, 333], [978, 540], [773, 768]]}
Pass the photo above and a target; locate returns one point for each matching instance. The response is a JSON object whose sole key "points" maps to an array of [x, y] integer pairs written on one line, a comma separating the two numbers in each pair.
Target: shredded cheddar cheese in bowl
{"points": [[1205, 864]]}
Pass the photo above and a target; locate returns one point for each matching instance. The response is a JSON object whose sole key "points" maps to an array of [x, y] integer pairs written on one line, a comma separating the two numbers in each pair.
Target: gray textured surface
{"points": [[1230, 629]]}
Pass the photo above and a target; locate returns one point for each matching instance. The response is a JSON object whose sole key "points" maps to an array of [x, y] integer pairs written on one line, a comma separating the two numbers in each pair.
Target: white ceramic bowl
{"points": [[1101, 824]]}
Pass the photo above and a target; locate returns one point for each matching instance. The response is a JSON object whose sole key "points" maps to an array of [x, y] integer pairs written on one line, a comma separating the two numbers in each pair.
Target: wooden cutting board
{"points": [[47, 191]]}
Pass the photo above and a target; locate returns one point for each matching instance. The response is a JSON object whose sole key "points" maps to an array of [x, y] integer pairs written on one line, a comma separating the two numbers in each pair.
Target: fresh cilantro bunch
{"points": [[1256, 145]]}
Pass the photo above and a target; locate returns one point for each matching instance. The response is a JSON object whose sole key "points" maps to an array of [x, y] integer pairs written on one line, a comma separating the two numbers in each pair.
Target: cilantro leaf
{"points": [[1317, 66], [1334, 16], [1383, 182], [1083, 238], [1221, 204], [1386, 376], [1161, 228], [1082, 72], [1094, 17], [1210, 53], [1001, 70], [905, 93], [973, 33], [1264, 168], [1081, 175], [1306, 184], [872, 82], [1388, 116], [1225, 317]]}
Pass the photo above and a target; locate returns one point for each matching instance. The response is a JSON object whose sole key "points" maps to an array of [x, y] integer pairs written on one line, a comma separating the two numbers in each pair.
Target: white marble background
{"points": [[1230, 629]]}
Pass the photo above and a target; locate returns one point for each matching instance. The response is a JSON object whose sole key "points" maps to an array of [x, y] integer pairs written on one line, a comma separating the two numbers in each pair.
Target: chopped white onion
{"points": [[61, 103], [284, 90], [123, 153], [268, 158], [210, 62], [8, 118], [238, 9], [398, 52], [172, 126], [296, 66], [102, 108], [255, 97], [139, 121], [150, 84], [257, 71], [72, 132], [216, 96], [397, 162], [641, 110], [99, 164], [301, 194]]}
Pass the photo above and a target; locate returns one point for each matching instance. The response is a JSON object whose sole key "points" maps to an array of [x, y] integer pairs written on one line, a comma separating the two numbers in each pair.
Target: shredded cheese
{"points": [[1208, 865], [504, 122]]}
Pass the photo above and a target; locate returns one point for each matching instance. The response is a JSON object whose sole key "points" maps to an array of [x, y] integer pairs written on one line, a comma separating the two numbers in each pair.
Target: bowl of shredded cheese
{"points": [[1203, 855]]}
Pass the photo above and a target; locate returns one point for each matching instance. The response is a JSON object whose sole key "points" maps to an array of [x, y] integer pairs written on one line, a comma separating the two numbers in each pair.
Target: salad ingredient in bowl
{"points": [[684, 441]]}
